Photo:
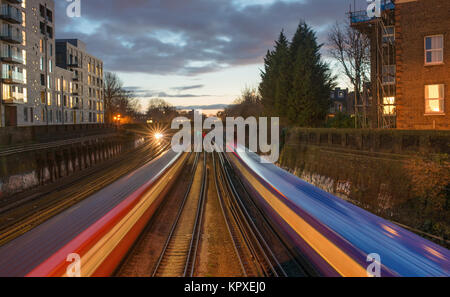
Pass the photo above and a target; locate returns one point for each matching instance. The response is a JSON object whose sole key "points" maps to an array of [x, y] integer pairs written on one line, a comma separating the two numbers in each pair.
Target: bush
{"points": [[341, 120]]}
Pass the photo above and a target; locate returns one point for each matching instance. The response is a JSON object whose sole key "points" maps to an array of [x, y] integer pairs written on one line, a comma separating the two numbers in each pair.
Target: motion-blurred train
{"points": [[334, 236]]}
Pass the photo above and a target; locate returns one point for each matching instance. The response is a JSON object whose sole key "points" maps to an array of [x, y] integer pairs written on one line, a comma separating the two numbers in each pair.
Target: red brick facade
{"points": [[416, 19]]}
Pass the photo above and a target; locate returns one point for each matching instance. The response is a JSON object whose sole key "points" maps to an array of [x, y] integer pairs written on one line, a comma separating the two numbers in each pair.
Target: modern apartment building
{"points": [[410, 56], [86, 80], [35, 91]]}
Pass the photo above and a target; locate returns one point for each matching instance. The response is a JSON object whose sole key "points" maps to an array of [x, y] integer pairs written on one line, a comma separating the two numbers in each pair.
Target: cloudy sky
{"points": [[191, 52]]}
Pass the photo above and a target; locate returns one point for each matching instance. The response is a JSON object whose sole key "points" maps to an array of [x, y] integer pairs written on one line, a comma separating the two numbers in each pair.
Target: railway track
{"points": [[29, 212], [254, 253], [179, 254], [283, 259]]}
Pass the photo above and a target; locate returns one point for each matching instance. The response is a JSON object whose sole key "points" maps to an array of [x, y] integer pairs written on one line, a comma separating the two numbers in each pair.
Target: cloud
{"points": [[140, 92], [185, 88], [188, 37], [212, 106]]}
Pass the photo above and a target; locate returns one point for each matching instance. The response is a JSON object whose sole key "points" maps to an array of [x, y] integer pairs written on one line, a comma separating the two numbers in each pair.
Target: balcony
{"points": [[11, 14], [8, 35], [14, 1], [11, 57], [14, 98], [77, 106], [73, 65], [12, 77]]}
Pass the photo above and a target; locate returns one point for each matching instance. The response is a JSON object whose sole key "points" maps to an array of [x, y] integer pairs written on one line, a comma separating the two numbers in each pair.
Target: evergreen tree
{"points": [[283, 75], [296, 84], [309, 98], [267, 85]]}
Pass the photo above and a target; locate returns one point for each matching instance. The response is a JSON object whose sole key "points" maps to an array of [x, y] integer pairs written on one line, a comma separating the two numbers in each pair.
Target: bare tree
{"points": [[118, 99], [351, 49], [161, 111], [248, 104]]}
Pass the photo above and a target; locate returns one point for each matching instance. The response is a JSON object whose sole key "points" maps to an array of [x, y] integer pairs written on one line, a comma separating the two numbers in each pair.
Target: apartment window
{"points": [[42, 97], [31, 114], [42, 79], [25, 95], [49, 15], [434, 99], [25, 114], [50, 32], [389, 34], [50, 66], [42, 10], [434, 49], [42, 27], [389, 106]]}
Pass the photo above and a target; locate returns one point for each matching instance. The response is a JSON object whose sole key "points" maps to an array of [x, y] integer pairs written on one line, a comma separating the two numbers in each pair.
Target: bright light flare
{"points": [[159, 136]]}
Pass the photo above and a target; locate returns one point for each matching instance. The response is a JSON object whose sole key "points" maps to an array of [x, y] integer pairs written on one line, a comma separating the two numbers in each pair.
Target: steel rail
{"points": [[227, 219], [275, 268], [177, 219], [192, 254]]}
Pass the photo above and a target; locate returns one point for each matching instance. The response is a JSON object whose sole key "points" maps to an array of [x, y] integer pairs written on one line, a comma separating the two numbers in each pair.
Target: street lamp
{"points": [[117, 119]]}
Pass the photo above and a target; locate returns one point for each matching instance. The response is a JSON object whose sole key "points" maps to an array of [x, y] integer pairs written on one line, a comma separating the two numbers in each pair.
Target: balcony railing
{"points": [[12, 77], [13, 98], [10, 35], [11, 14], [12, 57], [14, 1]]}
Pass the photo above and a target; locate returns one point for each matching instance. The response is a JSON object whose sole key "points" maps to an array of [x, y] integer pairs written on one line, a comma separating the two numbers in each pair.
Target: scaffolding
{"points": [[376, 106]]}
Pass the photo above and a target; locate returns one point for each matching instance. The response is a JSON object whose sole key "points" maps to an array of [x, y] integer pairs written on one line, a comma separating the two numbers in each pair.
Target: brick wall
{"points": [[414, 21]]}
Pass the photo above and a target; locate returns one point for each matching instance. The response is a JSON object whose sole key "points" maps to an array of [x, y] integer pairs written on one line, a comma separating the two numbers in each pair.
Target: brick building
{"points": [[423, 64], [410, 72], [35, 90]]}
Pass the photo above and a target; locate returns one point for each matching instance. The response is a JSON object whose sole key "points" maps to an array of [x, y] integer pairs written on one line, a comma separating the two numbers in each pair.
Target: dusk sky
{"points": [[192, 52]]}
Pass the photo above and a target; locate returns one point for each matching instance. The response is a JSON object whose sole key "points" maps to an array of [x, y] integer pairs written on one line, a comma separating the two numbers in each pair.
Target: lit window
{"points": [[389, 106], [434, 49], [434, 99]]}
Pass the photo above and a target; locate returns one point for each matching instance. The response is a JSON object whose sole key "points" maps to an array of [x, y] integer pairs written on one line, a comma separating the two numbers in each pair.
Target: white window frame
{"points": [[440, 99], [433, 50]]}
